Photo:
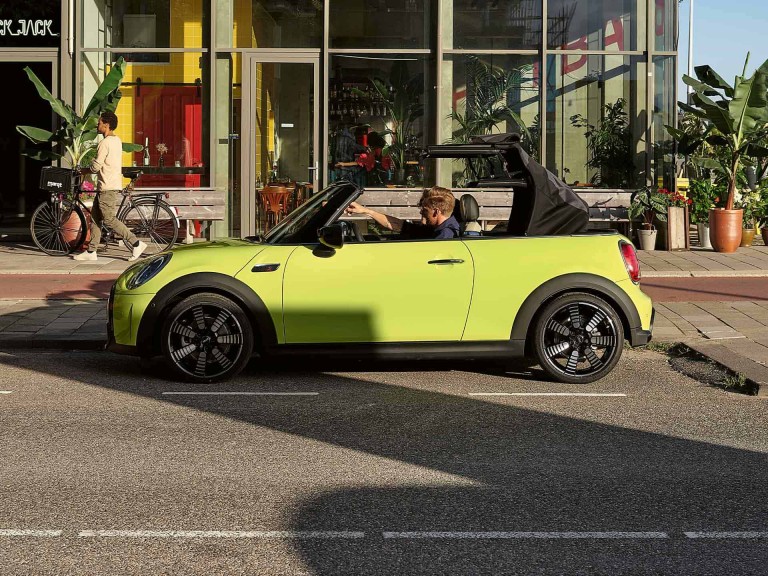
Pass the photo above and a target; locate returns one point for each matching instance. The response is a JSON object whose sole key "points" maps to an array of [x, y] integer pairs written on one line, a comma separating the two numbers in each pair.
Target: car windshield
{"points": [[301, 225]]}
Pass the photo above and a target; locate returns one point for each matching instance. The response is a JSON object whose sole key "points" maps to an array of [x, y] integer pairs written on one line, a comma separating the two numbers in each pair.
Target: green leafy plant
{"points": [[751, 203], [649, 204], [704, 195], [609, 143], [76, 135], [403, 108], [736, 118]]}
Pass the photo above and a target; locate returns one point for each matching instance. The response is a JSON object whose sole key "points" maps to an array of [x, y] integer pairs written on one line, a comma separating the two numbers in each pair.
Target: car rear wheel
{"points": [[578, 338], [206, 338]]}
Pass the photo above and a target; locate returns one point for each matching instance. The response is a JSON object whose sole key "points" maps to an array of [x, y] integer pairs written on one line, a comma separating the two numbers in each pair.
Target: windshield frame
{"points": [[301, 225]]}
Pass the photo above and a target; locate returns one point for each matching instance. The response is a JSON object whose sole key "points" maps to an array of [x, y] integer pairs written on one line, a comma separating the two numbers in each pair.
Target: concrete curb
{"points": [[52, 343], [725, 357]]}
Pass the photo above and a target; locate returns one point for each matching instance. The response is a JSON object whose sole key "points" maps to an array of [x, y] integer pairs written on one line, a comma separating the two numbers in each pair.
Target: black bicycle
{"points": [[59, 226]]}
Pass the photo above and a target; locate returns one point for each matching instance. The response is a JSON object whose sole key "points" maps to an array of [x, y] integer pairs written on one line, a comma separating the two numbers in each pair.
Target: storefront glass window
{"points": [[380, 25], [592, 100], [490, 93], [493, 25], [144, 24], [615, 25], [664, 105], [379, 111], [270, 24], [25, 24], [665, 25], [160, 105]]}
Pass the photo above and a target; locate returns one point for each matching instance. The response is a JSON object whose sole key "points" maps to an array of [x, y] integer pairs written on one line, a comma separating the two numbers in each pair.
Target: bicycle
{"points": [[59, 225]]}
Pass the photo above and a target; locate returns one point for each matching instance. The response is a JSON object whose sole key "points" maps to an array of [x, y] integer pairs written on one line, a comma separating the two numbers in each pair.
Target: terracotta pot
{"points": [[764, 234], [747, 236], [725, 229]]}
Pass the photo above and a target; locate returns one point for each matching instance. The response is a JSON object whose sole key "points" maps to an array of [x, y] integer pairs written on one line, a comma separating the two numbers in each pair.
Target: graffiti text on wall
{"points": [[26, 28]]}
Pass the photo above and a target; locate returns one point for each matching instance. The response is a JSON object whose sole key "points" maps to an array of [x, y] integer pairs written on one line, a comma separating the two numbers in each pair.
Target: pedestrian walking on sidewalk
{"points": [[108, 167]]}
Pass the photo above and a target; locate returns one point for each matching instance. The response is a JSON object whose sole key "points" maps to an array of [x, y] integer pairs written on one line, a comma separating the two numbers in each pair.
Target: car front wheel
{"points": [[206, 338], [578, 338]]}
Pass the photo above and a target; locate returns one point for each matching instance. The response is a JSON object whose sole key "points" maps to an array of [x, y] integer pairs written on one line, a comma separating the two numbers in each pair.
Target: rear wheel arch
{"points": [[148, 339], [527, 315]]}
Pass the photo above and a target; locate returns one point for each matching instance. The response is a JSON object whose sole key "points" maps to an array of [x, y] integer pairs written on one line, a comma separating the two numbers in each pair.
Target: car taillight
{"points": [[630, 260]]}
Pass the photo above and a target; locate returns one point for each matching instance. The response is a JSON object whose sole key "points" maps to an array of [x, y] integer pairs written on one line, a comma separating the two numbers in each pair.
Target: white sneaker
{"points": [[137, 251], [85, 256]]}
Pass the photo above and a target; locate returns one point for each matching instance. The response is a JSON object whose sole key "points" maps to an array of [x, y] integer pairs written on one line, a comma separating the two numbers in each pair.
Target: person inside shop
{"points": [[108, 167], [437, 220], [347, 147]]}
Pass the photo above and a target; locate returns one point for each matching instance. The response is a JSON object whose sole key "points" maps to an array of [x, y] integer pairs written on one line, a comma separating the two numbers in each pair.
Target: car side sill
{"points": [[501, 349]]}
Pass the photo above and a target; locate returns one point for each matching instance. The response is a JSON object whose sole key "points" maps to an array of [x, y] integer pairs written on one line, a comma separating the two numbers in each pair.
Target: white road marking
{"points": [[217, 534], [726, 534], [586, 394], [31, 533], [241, 393], [6, 392], [529, 535]]}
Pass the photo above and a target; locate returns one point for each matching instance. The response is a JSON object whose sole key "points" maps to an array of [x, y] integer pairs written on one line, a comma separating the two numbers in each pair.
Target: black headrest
{"points": [[468, 208]]}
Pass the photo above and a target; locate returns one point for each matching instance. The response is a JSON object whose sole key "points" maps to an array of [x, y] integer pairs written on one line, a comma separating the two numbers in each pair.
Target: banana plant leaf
{"points": [[61, 108], [708, 76], [100, 101], [36, 135]]}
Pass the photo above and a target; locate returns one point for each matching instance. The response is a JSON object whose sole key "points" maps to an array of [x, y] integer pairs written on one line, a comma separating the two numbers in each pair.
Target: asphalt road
{"points": [[398, 469]]}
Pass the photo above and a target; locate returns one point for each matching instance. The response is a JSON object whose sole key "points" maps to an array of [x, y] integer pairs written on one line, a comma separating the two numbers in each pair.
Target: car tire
{"points": [[206, 338], [578, 338]]}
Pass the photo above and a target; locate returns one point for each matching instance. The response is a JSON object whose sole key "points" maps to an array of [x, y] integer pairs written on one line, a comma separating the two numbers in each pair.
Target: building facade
{"points": [[241, 92]]}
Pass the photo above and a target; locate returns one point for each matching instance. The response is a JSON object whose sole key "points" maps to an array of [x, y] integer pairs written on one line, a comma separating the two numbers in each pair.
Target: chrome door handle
{"points": [[447, 261]]}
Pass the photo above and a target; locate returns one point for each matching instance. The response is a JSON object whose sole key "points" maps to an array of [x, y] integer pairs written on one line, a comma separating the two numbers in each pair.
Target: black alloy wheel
{"points": [[206, 338], [578, 338]]}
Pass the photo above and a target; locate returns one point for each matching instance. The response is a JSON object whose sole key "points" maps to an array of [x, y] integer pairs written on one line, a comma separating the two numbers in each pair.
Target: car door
{"points": [[378, 292]]}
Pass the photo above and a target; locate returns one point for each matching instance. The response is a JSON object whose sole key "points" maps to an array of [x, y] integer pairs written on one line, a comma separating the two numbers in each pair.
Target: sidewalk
{"points": [[733, 333]]}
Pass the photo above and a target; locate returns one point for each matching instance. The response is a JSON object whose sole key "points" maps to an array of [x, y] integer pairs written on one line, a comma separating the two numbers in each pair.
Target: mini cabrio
{"points": [[322, 282]]}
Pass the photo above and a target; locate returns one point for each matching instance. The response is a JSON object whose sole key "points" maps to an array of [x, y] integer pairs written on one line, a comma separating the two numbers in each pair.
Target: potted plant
{"points": [[749, 201], [650, 204], [76, 139], [677, 219], [736, 116], [703, 195], [609, 143]]}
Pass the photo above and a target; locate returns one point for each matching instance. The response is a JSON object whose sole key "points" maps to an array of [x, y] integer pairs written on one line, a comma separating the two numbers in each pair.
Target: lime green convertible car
{"points": [[319, 284]]}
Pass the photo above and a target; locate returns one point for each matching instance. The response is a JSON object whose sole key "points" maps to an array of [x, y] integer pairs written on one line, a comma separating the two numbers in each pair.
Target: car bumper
{"points": [[123, 316], [640, 337]]}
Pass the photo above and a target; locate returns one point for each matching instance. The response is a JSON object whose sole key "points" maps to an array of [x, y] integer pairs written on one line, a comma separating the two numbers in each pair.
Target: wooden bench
{"points": [[193, 204], [495, 205], [608, 206]]}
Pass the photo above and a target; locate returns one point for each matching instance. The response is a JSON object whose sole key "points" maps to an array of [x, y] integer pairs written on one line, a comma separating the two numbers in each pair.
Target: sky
{"points": [[723, 33]]}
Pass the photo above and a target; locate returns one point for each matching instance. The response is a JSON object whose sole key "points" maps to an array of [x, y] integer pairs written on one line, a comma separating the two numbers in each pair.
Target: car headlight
{"points": [[148, 270]]}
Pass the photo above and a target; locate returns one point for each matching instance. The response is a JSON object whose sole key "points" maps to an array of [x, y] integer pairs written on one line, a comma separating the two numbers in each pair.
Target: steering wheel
{"points": [[352, 232]]}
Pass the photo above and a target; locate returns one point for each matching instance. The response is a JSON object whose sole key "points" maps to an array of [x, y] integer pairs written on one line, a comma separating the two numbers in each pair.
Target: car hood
{"points": [[225, 256]]}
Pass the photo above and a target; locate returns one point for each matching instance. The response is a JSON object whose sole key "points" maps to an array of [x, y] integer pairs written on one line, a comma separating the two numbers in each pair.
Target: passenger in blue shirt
{"points": [[437, 221]]}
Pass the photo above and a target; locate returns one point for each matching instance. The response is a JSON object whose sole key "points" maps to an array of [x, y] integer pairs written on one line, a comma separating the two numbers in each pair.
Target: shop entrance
{"points": [[279, 131], [20, 192]]}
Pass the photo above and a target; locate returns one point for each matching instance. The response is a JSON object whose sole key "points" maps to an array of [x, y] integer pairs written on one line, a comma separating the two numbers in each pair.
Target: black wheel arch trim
{"points": [[591, 283], [264, 329]]}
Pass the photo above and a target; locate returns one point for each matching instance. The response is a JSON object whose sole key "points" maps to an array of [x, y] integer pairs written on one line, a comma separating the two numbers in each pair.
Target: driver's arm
{"points": [[388, 222]]}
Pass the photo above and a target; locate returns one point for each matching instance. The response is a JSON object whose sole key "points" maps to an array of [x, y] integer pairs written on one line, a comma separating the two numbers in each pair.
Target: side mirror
{"points": [[332, 236]]}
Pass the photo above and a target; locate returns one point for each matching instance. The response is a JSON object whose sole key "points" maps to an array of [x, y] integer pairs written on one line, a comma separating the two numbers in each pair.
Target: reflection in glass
{"points": [[143, 24], [271, 24], [381, 25], [596, 24], [663, 115], [491, 93], [495, 24], [160, 105], [665, 24], [377, 113], [596, 120]]}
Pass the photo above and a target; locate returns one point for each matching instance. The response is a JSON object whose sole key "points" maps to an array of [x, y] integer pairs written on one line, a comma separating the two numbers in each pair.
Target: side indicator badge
{"points": [[265, 267]]}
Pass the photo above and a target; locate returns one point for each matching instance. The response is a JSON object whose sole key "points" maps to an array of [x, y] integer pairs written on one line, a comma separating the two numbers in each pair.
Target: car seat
{"points": [[469, 212]]}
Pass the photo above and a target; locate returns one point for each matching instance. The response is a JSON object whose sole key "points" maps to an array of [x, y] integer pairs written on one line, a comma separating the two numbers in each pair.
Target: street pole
{"points": [[690, 46]]}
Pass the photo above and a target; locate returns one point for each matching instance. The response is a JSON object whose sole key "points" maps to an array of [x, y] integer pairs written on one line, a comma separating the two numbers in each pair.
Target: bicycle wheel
{"points": [[58, 227], [154, 223]]}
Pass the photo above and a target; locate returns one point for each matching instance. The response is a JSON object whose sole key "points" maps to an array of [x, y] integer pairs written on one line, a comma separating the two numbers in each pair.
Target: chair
{"points": [[274, 199]]}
